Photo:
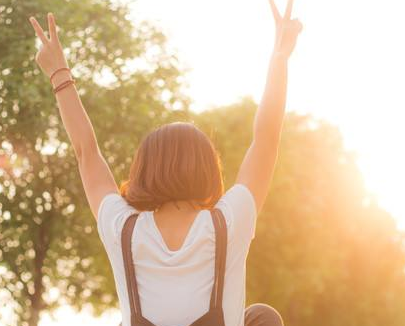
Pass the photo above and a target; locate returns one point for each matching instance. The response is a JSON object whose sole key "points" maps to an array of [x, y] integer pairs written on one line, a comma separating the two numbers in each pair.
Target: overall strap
{"points": [[130, 276], [220, 258], [220, 261]]}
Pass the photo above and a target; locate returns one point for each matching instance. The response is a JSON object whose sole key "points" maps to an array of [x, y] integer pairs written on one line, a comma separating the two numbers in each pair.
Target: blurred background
{"points": [[329, 247]]}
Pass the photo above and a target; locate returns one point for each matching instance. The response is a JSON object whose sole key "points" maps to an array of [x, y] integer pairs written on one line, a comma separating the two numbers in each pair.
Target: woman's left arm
{"points": [[95, 173]]}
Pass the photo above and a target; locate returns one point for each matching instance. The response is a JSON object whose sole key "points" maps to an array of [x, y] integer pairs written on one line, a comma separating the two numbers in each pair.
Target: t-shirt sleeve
{"points": [[112, 214], [239, 208]]}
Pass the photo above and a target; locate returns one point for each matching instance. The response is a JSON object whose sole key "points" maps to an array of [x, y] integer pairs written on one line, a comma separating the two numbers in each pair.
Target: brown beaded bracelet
{"points": [[58, 70], [63, 85]]}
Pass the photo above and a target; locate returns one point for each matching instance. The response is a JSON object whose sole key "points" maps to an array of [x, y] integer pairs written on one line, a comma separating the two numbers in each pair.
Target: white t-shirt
{"points": [[175, 286]]}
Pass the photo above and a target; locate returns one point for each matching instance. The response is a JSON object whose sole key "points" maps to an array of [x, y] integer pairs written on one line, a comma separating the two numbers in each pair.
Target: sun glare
{"points": [[348, 73], [382, 179], [348, 68]]}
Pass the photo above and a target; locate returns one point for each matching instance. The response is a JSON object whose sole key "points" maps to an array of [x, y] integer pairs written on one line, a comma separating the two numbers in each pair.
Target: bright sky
{"points": [[348, 67]]}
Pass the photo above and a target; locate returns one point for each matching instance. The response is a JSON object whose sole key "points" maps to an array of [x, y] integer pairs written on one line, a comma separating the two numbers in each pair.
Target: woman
{"points": [[175, 179]]}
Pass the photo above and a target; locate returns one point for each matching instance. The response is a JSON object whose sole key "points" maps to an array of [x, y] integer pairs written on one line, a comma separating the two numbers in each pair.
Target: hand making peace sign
{"points": [[287, 30], [50, 56]]}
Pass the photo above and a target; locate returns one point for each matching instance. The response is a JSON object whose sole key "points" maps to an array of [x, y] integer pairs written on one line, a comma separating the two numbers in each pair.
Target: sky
{"points": [[348, 68]]}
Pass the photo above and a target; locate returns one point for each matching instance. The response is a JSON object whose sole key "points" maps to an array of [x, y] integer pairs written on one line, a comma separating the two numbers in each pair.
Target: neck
{"points": [[169, 213], [179, 207]]}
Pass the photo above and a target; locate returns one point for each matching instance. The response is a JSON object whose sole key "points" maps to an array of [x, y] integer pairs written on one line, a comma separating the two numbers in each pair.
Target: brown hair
{"points": [[176, 161]]}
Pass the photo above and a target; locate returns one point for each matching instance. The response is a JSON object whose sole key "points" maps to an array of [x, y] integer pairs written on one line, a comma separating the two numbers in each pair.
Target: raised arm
{"points": [[258, 164], [96, 176]]}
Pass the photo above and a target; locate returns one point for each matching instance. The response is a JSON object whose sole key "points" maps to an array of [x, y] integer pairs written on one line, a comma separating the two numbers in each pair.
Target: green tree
{"points": [[50, 252], [324, 252]]}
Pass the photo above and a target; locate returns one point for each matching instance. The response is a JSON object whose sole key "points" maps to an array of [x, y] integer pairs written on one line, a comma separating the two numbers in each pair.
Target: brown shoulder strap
{"points": [[220, 257], [130, 276], [220, 262]]}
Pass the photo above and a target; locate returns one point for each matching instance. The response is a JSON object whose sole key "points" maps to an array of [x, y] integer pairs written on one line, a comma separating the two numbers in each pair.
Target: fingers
{"points": [[275, 11], [288, 11], [38, 30], [52, 27]]}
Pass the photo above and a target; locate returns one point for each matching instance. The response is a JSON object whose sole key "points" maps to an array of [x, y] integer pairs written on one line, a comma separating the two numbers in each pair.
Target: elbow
{"points": [[85, 149], [267, 127], [78, 152], [267, 134]]}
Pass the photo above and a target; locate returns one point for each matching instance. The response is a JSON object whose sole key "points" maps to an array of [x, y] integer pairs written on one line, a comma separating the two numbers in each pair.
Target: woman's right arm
{"points": [[258, 164]]}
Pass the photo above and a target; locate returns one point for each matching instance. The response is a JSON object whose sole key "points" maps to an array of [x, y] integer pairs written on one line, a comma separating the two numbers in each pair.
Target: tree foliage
{"points": [[325, 253]]}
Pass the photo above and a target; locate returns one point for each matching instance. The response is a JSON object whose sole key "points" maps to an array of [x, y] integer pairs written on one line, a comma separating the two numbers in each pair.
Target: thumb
{"points": [[298, 25]]}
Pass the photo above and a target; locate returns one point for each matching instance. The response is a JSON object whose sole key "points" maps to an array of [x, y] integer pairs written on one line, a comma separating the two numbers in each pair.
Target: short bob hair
{"points": [[176, 161]]}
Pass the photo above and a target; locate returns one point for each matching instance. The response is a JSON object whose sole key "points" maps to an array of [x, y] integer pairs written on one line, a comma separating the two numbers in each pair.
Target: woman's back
{"points": [[175, 285]]}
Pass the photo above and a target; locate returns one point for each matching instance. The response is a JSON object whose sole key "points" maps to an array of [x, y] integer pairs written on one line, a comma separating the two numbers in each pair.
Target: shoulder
{"points": [[112, 213], [239, 208]]}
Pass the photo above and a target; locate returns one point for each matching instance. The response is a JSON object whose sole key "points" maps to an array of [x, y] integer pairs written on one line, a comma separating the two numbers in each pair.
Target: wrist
{"points": [[280, 56], [61, 77]]}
